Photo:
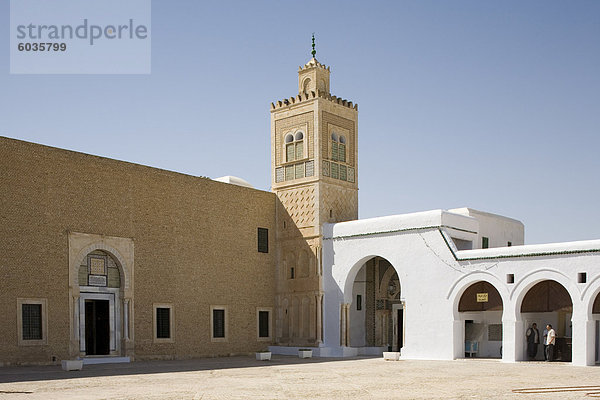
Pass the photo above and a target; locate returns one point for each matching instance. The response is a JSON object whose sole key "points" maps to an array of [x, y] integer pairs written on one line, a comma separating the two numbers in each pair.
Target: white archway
{"points": [[562, 322], [456, 293]]}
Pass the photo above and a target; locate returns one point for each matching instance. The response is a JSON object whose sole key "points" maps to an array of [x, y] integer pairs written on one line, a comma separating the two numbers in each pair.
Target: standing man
{"points": [[550, 341], [545, 337], [533, 340]]}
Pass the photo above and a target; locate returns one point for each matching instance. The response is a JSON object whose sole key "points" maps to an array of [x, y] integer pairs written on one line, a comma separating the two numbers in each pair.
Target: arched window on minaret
{"points": [[338, 147], [294, 146]]}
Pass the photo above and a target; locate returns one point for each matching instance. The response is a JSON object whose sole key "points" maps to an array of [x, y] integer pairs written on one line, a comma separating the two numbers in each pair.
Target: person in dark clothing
{"points": [[533, 341]]}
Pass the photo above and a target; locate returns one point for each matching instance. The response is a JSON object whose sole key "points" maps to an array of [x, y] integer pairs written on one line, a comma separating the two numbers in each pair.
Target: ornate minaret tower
{"points": [[314, 158]]}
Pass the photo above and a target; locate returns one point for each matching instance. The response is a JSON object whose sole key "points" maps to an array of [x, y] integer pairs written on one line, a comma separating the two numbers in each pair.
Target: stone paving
{"points": [[287, 377]]}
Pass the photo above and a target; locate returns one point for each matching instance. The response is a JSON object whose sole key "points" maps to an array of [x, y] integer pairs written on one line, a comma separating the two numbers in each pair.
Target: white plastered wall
{"points": [[432, 279]]}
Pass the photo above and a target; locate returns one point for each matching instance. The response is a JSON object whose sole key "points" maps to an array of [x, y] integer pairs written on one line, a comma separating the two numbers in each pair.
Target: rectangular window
{"points": [[32, 321], [485, 242], [335, 169], [358, 302], [263, 240], [279, 175], [289, 172], [289, 152], [334, 151], [163, 323], [219, 324], [509, 244], [299, 171], [263, 324], [310, 168], [343, 172], [299, 151], [581, 277], [342, 153]]}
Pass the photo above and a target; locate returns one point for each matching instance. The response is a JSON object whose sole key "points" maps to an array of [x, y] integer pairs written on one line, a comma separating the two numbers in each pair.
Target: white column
{"points": [[513, 340], [459, 338], [76, 318], [126, 319], [584, 338], [319, 335]]}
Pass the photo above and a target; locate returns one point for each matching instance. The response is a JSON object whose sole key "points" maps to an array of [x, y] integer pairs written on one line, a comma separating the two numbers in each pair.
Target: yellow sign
{"points": [[482, 297]]}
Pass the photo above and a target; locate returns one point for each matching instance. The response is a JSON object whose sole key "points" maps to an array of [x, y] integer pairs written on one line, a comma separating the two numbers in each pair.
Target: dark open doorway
{"points": [[97, 327], [400, 328]]}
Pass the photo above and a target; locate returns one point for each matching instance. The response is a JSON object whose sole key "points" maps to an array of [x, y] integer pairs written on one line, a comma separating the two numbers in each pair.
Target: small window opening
{"points": [[330, 213], [358, 302], [581, 277], [509, 244], [163, 323], [510, 278], [32, 321], [218, 323], [485, 242], [263, 240], [292, 275], [263, 324]]}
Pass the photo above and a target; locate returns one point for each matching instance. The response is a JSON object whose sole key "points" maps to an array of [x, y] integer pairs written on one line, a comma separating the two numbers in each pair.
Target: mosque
{"points": [[110, 261]]}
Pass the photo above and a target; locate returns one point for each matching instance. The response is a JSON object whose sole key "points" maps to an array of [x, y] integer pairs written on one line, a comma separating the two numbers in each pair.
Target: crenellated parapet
{"points": [[312, 64], [313, 94]]}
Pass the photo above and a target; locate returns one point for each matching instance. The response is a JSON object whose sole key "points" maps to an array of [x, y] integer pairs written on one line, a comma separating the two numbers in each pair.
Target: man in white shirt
{"points": [[550, 341], [545, 339]]}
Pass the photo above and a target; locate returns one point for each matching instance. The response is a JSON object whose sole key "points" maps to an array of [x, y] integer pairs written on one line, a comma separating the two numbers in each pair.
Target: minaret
{"points": [[314, 174]]}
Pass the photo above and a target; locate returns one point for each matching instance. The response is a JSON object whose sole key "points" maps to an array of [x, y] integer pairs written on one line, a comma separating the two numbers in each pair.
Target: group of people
{"points": [[533, 340]]}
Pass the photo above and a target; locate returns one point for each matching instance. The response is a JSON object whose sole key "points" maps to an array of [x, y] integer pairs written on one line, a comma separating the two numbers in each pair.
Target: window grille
{"points": [[263, 240], [218, 323], [163, 323], [300, 170], [289, 172], [32, 321]]}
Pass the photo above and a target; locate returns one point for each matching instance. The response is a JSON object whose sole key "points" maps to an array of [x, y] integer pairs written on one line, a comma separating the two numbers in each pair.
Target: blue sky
{"points": [[491, 105]]}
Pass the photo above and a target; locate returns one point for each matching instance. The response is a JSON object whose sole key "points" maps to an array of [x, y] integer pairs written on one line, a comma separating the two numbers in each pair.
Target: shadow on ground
{"points": [[54, 372]]}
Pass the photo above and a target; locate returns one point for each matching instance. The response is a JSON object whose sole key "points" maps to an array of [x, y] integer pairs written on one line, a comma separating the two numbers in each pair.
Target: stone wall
{"points": [[195, 246]]}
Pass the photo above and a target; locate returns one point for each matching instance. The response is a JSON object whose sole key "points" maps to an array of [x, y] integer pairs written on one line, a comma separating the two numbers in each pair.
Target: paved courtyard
{"points": [[292, 378]]}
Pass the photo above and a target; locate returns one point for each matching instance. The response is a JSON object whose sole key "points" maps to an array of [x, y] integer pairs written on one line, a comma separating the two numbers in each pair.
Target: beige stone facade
{"points": [[106, 258], [314, 158], [77, 229]]}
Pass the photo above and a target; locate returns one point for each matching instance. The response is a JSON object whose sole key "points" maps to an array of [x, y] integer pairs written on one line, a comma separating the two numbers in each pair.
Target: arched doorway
{"points": [[480, 309], [596, 318], [377, 311], [100, 310], [548, 302]]}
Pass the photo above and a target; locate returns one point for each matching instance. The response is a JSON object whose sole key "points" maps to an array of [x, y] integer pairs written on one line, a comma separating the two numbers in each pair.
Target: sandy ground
{"points": [[292, 378]]}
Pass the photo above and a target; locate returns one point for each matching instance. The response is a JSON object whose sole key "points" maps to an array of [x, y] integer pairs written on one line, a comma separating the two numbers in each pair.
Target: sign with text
{"points": [[80, 37], [97, 280], [482, 297]]}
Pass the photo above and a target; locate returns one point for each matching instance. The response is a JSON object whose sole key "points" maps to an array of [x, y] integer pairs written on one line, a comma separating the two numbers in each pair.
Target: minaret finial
{"points": [[313, 52]]}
